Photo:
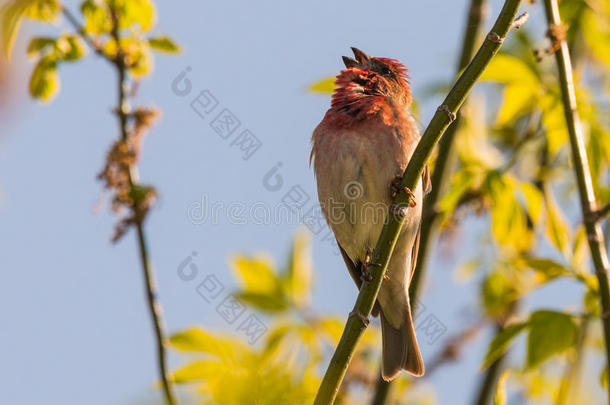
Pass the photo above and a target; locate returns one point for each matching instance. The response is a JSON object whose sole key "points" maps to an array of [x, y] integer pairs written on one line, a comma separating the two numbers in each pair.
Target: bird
{"points": [[359, 152]]}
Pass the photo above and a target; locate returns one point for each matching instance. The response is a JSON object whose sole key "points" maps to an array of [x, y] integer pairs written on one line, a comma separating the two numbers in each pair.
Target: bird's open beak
{"points": [[361, 58]]}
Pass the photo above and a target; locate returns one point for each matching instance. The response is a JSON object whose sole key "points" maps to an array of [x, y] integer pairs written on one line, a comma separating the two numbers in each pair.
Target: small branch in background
{"points": [[80, 30], [488, 383], [391, 229], [584, 180], [120, 174]]}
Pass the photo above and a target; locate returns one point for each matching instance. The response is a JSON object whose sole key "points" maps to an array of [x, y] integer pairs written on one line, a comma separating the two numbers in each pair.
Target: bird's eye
{"points": [[385, 70]]}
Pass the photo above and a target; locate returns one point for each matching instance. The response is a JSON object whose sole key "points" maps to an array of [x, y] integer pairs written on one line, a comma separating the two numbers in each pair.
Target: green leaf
{"points": [[163, 44], [131, 12], [39, 44], [505, 68], [198, 370], [44, 10], [550, 333], [97, 17], [70, 48], [461, 182], [556, 226], [533, 201], [44, 82], [508, 221], [273, 301], [11, 14], [324, 86], [550, 268], [256, 274], [300, 269], [501, 342], [554, 122], [197, 340], [596, 32], [500, 395]]}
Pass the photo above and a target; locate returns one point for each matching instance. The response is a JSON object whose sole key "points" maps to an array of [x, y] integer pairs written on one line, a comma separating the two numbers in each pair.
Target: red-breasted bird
{"points": [[361, 147]]}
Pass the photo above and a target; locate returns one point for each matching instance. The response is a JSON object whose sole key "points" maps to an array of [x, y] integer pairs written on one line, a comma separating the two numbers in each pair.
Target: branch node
{"points": [[398, 211], [365, 320], [450, 113], [494, 37], [597, 215], [519, 21]]}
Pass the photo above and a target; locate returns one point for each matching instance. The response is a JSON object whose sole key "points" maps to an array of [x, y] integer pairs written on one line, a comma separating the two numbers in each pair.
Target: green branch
{"points": [[389, 234], [445, 157], [584, 181], [444, 163]]}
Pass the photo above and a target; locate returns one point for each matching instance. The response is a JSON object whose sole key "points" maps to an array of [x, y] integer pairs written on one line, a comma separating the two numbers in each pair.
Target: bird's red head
{"points": [[369, 81]]}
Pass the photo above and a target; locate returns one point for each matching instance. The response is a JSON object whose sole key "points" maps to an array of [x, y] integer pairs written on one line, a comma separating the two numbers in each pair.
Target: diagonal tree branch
{"points": [[444, 164], [584, 181], [389, 234]]}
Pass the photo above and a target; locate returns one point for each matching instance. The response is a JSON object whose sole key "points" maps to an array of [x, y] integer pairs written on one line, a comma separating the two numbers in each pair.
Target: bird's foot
{"points": [[365, 275], [396, 187], [360, 316]]}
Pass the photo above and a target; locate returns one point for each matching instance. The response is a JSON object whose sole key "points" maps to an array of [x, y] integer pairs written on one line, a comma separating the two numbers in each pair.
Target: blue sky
{"points": [[75, 328]]}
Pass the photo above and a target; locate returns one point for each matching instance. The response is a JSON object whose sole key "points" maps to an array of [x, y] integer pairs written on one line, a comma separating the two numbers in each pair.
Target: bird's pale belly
{"points": [[355, 198]]}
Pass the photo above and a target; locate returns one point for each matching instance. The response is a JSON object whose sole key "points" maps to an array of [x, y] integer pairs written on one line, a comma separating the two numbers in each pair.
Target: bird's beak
{"points": [[349, 62], [361, 57]]}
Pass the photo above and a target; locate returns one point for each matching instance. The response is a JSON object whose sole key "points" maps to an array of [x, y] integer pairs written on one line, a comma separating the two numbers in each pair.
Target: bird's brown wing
{"points": [[355, 273], [353, 269]]}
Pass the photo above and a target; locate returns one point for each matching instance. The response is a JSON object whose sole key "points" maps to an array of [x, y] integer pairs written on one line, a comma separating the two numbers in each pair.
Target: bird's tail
{"points": [[399, 347]]}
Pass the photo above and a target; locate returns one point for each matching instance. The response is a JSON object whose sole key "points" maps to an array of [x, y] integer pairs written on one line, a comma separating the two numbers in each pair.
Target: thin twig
{"points": [[154, 306], [389, 234], [80, 30], [486, 388], [123, 112], [584, 180]]}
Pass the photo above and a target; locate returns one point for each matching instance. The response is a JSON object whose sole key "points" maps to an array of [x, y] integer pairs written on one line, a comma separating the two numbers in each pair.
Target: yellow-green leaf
{"points": [[554, 122], [505, 68], [43, 10], [270, 301], [44, 82], [256, 274], [39, 44], [70, 47], [517, 98], [556, 226], [324, 86], [163, 44], [508, 221], [198, 340], [501, 342], [500, 395], [550, 333], [533, 200], [198, 370], [596, 31], [97, 17], [11, 14], [140, 12]]}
